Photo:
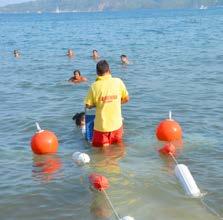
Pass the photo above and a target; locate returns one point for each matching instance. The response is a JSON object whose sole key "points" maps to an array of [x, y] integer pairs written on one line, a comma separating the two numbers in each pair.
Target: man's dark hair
{"points": [[123, 55], [77, 71], [78, 118], [94, 51], [102, 67]]}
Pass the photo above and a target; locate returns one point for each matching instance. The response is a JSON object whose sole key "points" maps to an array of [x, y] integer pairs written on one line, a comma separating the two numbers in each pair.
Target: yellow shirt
{"points": [[106, 94]]}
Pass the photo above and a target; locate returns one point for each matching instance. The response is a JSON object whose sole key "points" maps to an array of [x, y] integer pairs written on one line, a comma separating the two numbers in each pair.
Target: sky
{"points": [[6, 2]]}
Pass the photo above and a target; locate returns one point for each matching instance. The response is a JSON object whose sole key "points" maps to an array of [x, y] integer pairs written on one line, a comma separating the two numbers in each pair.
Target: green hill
{"points": [[103, 5]]}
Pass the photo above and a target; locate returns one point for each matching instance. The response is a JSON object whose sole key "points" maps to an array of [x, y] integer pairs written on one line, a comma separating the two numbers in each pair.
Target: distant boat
{"points": [[203, 7], [57, 10], [39, 12]]}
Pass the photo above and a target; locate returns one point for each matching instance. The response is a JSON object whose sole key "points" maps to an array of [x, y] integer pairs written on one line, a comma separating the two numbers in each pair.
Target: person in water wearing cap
{"points": [[124, 59], [77, 78], [95, 55], [106, 94], [70, 53]]}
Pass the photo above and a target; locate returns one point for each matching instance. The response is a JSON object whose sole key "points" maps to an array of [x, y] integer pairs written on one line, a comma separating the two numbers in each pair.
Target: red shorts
{"points": [[106, 138]]}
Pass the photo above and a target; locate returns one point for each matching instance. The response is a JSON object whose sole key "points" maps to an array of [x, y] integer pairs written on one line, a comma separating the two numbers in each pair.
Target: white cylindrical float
{"points": [[127, 218], [187, 181]]}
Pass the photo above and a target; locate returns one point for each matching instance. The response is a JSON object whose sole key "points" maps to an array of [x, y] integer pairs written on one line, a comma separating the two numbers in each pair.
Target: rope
{"points": [[110, 203], [213, 211], [175, 160]]}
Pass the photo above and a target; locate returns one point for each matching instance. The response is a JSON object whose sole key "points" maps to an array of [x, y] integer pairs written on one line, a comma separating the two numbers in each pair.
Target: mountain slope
{"points": [[102, 5]]}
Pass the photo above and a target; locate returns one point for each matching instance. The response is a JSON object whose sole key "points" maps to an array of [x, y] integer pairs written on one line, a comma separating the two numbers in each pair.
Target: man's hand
{"points": [[125, 100], [89, 106]]}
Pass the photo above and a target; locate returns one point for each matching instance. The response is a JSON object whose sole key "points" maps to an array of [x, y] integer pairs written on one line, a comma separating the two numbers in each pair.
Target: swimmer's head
{"points": [[70, 53], [124, 59], [77, 74], [79, 119], [95, 54], [102, 68], [16, 53]]}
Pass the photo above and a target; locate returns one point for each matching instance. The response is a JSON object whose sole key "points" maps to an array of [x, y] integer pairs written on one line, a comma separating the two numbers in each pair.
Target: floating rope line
{"points": [[212, 210], [110, 203]]}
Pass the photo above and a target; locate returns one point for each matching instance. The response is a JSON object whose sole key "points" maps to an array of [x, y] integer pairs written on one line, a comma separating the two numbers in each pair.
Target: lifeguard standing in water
{"points": [[107, 94]]}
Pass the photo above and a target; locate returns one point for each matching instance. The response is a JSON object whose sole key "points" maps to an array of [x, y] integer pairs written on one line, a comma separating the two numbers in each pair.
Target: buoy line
{"points": [[169, 131], [100, 183], [110, 203], [213, 211], [201, 195]]}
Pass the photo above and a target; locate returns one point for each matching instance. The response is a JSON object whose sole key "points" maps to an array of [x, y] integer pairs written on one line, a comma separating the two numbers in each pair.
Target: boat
{"points": [[203, 7], [57, 10]]}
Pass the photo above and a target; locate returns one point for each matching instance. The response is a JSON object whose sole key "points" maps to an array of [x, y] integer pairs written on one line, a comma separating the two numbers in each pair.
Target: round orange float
{"points": [[44, 142], [98, 181], [169, 130]]}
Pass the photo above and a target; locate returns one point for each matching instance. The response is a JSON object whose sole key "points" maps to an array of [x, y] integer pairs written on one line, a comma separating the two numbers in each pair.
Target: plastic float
{"points": [[171, 134], [81, 158], [169, 130], [127, 218], [101, 183], [44, 142], [98, 181], [187, 181], [168, 149], [183, 174]]}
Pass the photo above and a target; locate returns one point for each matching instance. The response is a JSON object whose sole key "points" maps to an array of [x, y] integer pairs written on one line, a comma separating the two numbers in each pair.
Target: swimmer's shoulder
{"points": [[83, 79]]}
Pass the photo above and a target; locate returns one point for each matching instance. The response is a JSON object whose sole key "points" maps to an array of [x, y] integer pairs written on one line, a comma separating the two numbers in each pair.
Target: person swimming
{"points": [[95, 55], [79, 119], [70, 53], [77, 78], [16, 53], [124, 59]]}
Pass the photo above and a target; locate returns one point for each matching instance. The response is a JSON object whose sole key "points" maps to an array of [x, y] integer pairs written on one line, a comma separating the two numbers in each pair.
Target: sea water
{"points": [[176, 64]]}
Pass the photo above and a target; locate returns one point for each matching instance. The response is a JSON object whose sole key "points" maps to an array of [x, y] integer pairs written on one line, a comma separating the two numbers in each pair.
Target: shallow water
{"points": [[177, 64]]}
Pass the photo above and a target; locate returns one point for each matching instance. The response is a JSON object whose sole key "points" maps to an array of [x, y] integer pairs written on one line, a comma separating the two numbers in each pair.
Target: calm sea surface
{"points": [[177, 64]]}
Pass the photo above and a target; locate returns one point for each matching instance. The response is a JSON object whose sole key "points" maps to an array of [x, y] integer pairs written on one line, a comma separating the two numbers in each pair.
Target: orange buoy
{"points": [[168, 149], [98, 181], [169, 130], [44, 142]]}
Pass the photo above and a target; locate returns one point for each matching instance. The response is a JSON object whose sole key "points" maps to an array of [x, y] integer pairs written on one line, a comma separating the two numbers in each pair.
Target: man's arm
{"points": [[124, 93], [71, 79], [89, 100]]}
